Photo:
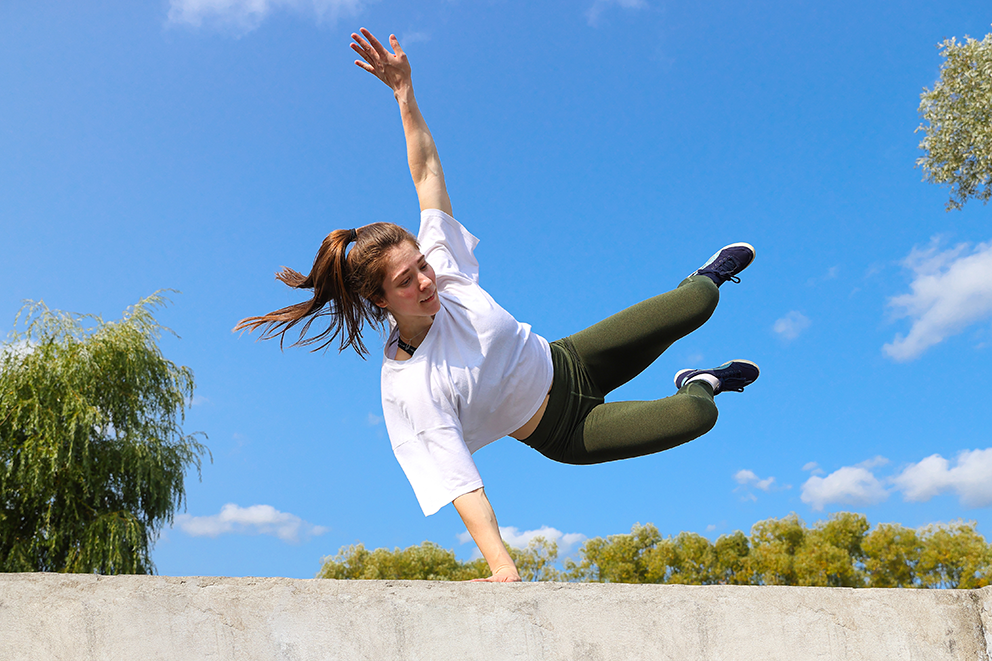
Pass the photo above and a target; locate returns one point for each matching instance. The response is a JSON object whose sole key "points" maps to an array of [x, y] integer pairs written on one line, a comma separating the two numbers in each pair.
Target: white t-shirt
{"points": [[477, 376]]}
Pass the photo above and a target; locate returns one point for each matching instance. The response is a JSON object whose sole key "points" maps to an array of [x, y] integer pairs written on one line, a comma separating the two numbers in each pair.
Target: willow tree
{"points": [[958, 116], [92, 452]]}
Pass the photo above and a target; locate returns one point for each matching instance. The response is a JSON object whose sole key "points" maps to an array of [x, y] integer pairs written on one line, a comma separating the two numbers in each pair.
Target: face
{"points": [[410, 286]]}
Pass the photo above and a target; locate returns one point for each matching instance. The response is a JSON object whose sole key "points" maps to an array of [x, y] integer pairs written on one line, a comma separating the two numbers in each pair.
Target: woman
{"points": [[459, 372]]}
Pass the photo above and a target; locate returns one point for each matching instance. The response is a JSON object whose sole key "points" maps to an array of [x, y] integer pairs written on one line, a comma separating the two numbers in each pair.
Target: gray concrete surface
{"points": [[55, 617]]}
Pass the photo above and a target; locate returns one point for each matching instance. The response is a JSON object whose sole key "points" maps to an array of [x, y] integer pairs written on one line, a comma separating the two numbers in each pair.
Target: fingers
{"points": [[379, 48], [365, 56], [363, 48], [395, 43]]}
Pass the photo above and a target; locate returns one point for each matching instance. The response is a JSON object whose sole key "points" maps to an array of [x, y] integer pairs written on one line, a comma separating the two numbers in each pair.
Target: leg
{"points": [[621, 430], [619, 348]]}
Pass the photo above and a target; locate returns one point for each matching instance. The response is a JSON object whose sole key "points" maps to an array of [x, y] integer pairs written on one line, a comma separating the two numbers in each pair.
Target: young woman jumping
{"points": [[459, 372]]}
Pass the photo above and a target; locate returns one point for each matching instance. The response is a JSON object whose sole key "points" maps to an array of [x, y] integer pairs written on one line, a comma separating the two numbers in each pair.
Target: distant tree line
{"points": [[842, 551]]}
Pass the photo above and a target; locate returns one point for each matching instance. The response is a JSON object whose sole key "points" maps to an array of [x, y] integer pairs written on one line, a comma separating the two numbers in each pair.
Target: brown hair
{"points": [[345, 287]]}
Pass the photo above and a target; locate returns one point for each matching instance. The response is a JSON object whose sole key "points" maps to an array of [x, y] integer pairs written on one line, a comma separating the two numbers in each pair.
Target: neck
{"points": [[412, 331]]}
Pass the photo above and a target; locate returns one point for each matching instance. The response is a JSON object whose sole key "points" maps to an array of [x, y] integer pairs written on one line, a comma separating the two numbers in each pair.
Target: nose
{"points": [[425, 282]]}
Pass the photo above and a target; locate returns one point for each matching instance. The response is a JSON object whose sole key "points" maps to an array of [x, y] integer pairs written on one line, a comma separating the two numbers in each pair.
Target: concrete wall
{"points": [[51, 617]]}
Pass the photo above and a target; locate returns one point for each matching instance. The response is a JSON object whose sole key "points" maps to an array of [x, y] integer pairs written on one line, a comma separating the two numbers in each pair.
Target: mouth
{"points": [[430, 298]]}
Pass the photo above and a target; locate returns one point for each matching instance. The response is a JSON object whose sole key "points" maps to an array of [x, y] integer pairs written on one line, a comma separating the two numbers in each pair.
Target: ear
{"points": [[381, 302]]}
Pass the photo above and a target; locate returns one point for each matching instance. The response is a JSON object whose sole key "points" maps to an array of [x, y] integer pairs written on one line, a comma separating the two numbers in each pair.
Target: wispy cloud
{"points": [[519, 540], [951, 289], [408, 38], [243, 16], [830, 274], [594, 12], [749, 480], [254, 520], [791, 325], [970, 478]]}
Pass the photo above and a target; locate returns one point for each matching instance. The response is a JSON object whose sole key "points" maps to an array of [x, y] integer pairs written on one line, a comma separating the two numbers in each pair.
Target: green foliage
{"points": [[892, 554], [954, 556], [537, 561], [838, 552], [617, 559], [427, 562], [958, 142], [774, 543], [92, 453], [831, 554]]}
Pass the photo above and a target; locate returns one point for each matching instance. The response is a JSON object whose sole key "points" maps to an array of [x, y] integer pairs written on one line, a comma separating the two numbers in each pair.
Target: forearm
{"points": [[421, 153], [480, 521], [420, 149]]}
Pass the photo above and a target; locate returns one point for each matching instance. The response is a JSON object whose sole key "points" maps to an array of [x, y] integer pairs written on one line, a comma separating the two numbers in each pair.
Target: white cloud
{"points": [[749, 478], [970, 478], [374, 420], [254, 520], [791, 325], [599, 6], [243, 16], [951, 290], [519, 540], [850, 485]]}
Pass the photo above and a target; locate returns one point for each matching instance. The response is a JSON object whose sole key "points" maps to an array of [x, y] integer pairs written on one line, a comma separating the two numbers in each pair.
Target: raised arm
{"points": [[394, 70]]}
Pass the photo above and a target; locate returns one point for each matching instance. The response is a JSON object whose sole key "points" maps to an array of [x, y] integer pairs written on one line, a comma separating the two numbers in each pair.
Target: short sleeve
{"points": [[447, 245], [439, 467]]}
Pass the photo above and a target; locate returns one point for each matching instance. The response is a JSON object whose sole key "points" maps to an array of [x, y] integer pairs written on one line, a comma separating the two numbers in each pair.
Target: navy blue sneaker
{"points": [[734, 375], [727, 263]]}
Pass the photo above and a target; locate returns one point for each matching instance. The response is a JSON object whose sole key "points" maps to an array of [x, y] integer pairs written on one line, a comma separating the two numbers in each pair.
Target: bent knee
{"points": [[698, 411]]}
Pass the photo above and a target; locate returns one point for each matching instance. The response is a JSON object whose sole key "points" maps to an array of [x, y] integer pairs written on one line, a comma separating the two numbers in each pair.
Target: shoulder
{"points": [[448, 246]]}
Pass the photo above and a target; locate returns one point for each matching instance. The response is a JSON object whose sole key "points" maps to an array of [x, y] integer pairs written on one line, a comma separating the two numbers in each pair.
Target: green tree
{"points": [[831, 554], [958, 112], [427, 562], [774, 543], [891, 556], [954, 555], [537, 561], [92, 453], [732, 559], [616, 559], [694, 560]]}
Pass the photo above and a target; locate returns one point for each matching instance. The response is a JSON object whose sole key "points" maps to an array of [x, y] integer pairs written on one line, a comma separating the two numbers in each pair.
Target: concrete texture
{"points": [[55, 617]]}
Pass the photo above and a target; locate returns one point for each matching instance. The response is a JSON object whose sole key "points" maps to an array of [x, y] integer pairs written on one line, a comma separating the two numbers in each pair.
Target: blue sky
{"points": [[601, 150]]}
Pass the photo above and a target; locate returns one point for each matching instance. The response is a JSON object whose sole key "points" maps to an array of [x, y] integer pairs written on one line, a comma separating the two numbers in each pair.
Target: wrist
{"points": [[403, 92]]}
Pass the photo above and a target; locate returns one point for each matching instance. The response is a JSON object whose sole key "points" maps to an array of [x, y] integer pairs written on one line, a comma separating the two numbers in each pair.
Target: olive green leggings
{"points": [[579, 428]]}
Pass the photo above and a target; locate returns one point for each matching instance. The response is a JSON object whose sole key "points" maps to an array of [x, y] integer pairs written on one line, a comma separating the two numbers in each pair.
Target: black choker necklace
{"points": [[409, 348]]}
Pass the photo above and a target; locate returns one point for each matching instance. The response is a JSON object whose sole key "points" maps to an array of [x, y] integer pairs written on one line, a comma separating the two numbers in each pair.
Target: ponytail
{"points": [[345, 287]]}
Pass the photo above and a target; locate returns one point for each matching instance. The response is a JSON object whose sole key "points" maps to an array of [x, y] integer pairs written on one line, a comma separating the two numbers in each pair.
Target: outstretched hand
{"points": [[391, 68]]}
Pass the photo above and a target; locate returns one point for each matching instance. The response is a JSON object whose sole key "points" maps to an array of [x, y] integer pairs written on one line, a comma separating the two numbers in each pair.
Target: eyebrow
{"points": [[399, 276]]}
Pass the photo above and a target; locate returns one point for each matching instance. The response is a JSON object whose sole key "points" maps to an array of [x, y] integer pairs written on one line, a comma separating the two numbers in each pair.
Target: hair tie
{"points": [[353, 236]]}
